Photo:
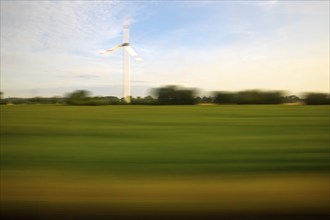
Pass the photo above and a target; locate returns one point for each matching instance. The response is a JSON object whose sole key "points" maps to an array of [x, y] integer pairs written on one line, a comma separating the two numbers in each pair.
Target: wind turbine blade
{"points": [[111, 49], [132, 53]]}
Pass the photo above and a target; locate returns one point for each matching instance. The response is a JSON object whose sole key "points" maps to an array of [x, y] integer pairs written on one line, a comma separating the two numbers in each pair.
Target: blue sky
{"points": [[50, 48]]}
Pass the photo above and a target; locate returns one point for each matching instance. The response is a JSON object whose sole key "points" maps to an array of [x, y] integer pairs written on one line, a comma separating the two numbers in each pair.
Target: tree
{"points": [[174, 95], [148, 100], [291, 99], [317, 99], [225, 97], [81, 97], [2, 100], [258, 97], [113, 100]]}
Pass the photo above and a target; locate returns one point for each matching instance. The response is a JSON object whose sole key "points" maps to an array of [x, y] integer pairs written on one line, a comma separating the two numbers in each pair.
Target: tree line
{"points": [[176, 95]]}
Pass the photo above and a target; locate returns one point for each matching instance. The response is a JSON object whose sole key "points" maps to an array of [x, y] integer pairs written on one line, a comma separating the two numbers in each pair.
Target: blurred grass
{"points": [[161, 160], [233, 194], [171, 140]]}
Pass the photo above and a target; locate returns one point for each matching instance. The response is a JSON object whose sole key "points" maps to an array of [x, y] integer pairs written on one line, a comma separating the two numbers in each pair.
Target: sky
{"points": [[50, 48]]}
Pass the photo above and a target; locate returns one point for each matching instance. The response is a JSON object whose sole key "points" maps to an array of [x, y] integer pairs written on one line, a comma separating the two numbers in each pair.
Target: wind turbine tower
{"points": [[127, 52]]}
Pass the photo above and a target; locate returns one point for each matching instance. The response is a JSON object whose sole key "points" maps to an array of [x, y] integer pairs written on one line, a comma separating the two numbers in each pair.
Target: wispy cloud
{"points": [[56, 25], [40, 37]]}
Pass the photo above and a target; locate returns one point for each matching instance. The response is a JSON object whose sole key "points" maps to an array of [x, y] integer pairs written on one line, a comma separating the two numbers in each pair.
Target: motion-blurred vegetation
{"points": [[254, 160], [317, 99], [82, 97], [249, 97], [169, 139], [177, 95]]}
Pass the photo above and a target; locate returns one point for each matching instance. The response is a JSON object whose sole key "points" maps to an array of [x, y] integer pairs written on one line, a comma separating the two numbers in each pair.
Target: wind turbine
{"points": [[128, 50]]}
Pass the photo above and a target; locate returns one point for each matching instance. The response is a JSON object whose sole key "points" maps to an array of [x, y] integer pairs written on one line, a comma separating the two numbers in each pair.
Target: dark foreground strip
{"points": [[161, 216]]}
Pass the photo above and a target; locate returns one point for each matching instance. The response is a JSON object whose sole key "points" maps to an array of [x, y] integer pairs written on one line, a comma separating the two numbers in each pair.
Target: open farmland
{"points": [[165, 159]]}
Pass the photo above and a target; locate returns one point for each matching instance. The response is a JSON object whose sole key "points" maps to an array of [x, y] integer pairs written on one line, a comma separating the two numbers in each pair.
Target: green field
{"points": [[234, 157]]}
